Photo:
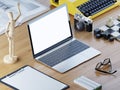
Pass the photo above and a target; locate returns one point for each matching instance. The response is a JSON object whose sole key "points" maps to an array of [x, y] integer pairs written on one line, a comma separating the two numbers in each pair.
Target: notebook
{"points": [[28, 78], [53, 43]]}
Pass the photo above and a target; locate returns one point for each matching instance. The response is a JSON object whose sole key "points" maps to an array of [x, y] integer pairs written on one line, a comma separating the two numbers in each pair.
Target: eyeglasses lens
{"points": [[106, 61], [98, 65]]}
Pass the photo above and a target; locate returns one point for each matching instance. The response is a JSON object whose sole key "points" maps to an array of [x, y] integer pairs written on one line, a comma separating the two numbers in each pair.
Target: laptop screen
{"points": [[49, 30]]}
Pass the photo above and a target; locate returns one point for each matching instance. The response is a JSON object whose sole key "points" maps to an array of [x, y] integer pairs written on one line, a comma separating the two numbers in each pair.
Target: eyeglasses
{"points": [[105, 67]]}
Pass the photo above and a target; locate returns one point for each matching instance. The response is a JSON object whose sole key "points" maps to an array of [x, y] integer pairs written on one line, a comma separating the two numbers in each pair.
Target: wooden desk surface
{"points": [[108, 49]]}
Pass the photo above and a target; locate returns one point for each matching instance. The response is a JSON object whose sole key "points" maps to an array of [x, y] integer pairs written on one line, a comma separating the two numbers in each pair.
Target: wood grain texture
{"points": [[108, 49]]}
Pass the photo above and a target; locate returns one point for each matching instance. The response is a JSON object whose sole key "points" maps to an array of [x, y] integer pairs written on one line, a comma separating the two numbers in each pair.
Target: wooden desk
{"points": [[108, 49]]}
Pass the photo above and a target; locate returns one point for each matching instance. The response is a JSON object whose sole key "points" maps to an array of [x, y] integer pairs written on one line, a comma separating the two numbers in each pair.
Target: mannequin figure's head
{"points": [[10, 16]]}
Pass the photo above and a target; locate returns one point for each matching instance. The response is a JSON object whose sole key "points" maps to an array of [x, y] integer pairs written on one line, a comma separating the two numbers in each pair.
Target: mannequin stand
{"points": [[8, 60]]}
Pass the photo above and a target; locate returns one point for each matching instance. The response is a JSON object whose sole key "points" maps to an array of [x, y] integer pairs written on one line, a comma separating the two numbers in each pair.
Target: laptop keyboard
{"points": [[63, 53]]}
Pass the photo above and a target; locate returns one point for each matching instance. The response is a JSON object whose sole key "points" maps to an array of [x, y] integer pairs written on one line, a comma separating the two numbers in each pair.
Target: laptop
{"points": [[53, 44]]}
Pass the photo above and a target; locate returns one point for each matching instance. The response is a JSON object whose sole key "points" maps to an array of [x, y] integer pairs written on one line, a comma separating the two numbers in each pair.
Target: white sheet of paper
{"points": [[29, 9]]}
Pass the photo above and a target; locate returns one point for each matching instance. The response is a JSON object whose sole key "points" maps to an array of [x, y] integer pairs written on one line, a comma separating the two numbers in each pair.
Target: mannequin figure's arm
{"points": [[19, 12], [6, 32]]}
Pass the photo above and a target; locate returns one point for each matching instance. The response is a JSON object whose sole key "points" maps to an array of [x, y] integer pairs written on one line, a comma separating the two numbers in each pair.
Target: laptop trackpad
{"points": [[76, 59]]}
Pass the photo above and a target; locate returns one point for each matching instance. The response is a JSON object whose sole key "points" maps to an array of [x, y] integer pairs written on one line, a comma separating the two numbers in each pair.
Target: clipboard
{"points": [[29, 78]]}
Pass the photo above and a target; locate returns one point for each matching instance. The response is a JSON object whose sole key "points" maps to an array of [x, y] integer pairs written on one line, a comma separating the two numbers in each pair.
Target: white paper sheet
{"points": [[29, 9]]}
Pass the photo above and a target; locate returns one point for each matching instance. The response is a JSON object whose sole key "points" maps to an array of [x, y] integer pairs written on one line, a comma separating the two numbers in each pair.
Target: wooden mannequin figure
{"points": [[11, 58]]}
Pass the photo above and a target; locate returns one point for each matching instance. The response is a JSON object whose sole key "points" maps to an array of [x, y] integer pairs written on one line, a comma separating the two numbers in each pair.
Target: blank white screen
{"points": [[50, 29]]}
